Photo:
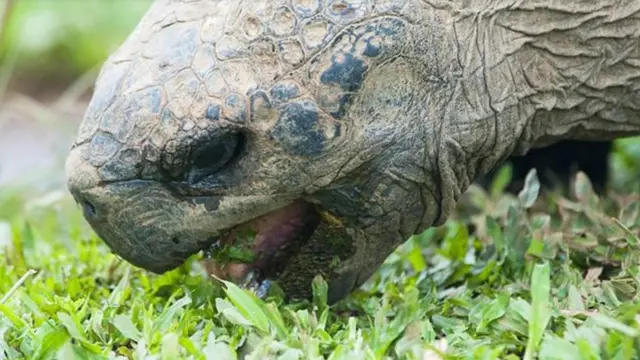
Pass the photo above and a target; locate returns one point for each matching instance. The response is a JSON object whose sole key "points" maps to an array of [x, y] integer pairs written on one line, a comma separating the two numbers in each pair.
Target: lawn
{"points": [[532, 275]]}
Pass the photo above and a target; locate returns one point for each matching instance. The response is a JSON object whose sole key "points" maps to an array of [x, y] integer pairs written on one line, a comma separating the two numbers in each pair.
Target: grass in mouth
{"points": [[509, 277], [239, 251]]}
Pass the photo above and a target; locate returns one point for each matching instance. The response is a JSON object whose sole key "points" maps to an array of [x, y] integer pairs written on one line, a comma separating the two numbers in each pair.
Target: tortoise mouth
{"points": [[252, 252]]}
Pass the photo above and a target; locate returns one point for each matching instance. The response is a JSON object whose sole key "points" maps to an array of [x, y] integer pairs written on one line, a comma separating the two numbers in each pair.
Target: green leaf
{"points": [[12, 316], [456, 242], [276, 321], [529, 193], [496, 235], [248, 306], [415, 257], [536, 247], [72, 327], [164, 320], [170, 347], [126, 327], [540, 312], [320, 290], [51, 343], [219, 351], [493, 311], [583, 189], [613, 324], [29, 245], [190, 347], [232, 313], [554, 348], [119, 294], [501, 181], [587, 350], [575, 299]]}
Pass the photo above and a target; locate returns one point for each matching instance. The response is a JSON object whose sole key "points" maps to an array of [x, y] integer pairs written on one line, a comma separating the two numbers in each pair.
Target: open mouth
{"points": [[252, 252]]}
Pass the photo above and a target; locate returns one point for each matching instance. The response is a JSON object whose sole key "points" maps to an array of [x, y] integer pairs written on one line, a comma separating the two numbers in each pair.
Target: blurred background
{"points": [[50, 54]]}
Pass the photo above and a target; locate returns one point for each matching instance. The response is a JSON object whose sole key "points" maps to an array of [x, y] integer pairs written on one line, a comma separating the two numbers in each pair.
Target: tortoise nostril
{"points": [[175, 240], [88, 209]]}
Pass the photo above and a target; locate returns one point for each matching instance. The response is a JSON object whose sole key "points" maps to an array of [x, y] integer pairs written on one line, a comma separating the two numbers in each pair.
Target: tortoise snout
{"points": [[136, 225], [80, 176], [136, 231], [79, 173]]}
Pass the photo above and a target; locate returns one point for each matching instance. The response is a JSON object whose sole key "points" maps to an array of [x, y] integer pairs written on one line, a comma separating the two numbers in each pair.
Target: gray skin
{"points": [[381, 113]]}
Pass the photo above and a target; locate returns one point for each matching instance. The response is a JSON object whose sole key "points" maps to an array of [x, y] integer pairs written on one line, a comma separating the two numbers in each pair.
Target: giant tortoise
{"points": [[287, 139]]}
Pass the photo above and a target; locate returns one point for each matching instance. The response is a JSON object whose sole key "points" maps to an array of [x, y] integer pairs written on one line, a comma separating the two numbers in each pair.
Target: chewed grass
{"points": [[532, 275]]}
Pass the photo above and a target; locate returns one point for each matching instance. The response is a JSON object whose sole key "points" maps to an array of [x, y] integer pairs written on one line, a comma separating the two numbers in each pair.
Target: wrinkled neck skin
{"points": [[530, 74], [534, 73], [486, 83]]}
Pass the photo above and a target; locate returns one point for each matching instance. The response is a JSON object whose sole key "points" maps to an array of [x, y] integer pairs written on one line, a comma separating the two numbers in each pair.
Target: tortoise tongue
{"points": [[278, 234]]}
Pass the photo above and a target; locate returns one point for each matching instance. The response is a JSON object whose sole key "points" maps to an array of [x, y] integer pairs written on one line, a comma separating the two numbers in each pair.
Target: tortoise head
{"points": [[286, 141]]}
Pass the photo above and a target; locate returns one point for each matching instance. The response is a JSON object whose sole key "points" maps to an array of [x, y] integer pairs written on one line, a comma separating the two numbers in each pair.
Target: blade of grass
{"points": [[540, 313], [17, 285]]}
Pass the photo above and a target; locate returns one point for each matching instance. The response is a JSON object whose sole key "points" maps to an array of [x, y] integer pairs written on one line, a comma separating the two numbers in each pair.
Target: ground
{"points": [[508, 277]]}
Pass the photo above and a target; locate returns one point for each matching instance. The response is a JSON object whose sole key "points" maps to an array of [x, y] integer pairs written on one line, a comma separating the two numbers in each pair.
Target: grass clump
{"points": [[533, 276]]}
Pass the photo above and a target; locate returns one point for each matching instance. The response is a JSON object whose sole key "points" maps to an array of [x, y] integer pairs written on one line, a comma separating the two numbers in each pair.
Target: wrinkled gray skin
{"points": [[382, 112]]}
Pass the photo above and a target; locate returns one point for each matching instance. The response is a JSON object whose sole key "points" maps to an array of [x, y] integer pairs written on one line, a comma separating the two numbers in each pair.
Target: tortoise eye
{"points": [[214, 155]]}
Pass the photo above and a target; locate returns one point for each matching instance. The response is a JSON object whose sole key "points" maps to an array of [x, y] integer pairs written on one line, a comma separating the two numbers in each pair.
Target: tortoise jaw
{"points": [[257, 250], [152, 228]]}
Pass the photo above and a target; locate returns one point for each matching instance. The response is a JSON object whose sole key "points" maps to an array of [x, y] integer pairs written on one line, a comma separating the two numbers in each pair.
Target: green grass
{"points": [[554, 280]]}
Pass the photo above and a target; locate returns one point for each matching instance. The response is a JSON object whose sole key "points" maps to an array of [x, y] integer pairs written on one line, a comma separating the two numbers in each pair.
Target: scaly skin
{"points": [[380, 112]]}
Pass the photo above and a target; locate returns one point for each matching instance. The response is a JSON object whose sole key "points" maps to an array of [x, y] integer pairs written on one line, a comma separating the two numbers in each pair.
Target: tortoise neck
{"points": [[545, 72], [529, 75], [579, 70]]}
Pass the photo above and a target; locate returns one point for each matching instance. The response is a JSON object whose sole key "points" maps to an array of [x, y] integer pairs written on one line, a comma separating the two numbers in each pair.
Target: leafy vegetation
{"points": [[532, 275], [526, 276]]}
